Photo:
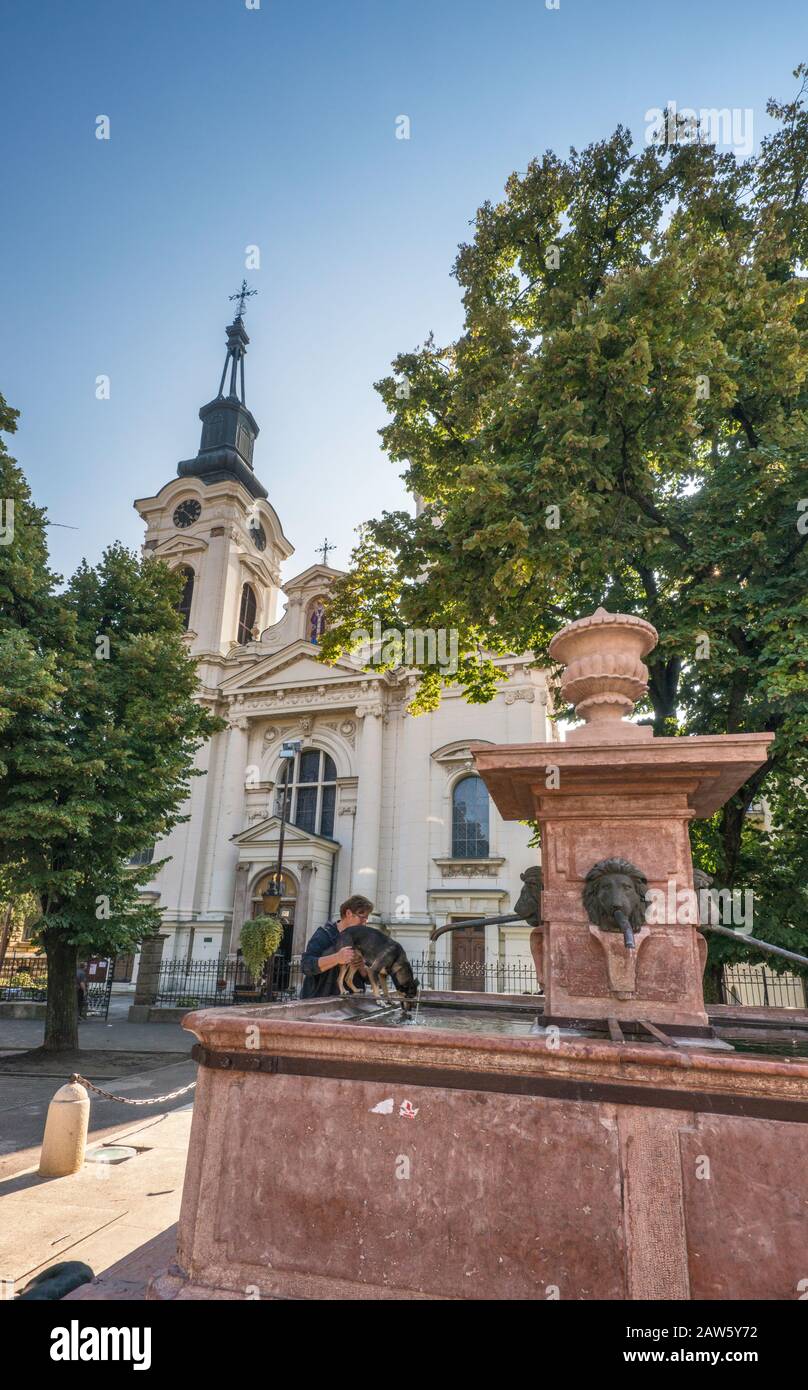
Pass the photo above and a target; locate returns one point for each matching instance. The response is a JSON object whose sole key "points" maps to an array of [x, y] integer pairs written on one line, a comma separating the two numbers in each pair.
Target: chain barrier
{"points": [[126, 1100]]}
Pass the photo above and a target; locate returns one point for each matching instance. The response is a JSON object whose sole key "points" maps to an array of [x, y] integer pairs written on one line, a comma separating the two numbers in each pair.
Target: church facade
{"points": [[378, 801]]}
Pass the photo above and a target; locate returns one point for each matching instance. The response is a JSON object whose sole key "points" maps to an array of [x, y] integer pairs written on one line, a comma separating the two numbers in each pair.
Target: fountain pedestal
{"points": [[613, 791]]}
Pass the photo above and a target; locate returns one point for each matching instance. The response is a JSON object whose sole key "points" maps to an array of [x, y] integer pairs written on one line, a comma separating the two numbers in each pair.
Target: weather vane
{"points": [[325, 547], [242, 295]]}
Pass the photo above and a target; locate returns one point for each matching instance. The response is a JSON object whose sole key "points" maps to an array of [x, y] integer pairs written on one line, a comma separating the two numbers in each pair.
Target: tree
{"points": [[98, 729], [622, 421]]}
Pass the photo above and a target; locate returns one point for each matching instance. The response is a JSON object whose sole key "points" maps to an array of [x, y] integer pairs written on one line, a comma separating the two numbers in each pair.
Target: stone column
{"points": [[231, 819], [148, 975], [232, 935], [301, 931], [365, 868]]}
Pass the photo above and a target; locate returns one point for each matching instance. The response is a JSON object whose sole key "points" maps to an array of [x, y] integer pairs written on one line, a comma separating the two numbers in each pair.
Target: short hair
{"points": [[356, 904]]}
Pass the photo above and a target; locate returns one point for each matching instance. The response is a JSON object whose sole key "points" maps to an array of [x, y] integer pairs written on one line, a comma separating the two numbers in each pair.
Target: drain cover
{"points": [[111, 1153]]}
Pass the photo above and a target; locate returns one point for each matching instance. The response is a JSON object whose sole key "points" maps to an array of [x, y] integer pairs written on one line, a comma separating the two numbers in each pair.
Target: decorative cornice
{"points": [[470, 868]]}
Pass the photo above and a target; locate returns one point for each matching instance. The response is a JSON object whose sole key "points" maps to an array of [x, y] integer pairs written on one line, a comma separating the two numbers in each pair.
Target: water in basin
{"points": [[504, 1023]]}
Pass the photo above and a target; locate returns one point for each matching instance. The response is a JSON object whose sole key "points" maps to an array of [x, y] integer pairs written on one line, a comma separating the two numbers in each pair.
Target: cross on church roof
{"points": [[242, 295], [325, 547]]}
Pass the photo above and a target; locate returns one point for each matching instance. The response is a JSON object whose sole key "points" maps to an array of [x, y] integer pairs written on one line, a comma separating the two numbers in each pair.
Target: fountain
{"points": [[611, 1149]]}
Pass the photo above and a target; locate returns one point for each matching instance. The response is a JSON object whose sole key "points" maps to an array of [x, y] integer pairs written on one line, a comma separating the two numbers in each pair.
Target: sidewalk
{"points": [[106, 1216], [137, 1059], [113, 1032]]}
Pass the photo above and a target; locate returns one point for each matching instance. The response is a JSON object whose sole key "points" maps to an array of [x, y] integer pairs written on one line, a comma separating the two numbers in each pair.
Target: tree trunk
{"points": [[663, 689], [5, 934], [62, 1014], [714, 982]]}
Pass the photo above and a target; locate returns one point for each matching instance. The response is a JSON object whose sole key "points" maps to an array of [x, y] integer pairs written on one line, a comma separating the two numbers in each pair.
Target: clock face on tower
{"points": [[187, 512]]}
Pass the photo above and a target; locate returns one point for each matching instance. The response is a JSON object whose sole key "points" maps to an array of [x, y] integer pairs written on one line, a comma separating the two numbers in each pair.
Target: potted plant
{"points": [[260, 939]]}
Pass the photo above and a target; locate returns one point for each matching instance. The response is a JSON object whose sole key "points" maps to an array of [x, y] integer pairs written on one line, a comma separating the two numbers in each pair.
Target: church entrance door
{"points": [[468, 958]]}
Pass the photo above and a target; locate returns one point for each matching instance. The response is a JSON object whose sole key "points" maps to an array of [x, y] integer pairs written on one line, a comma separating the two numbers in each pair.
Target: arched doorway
{"points": [[263, 904]]}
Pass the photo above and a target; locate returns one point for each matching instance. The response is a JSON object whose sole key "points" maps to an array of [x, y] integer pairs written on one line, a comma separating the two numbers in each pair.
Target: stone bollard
{"points": [[65, 1132]]}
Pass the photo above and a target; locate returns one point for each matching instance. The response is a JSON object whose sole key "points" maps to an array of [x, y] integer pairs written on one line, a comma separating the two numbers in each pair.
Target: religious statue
{"points": [[316, 622]]}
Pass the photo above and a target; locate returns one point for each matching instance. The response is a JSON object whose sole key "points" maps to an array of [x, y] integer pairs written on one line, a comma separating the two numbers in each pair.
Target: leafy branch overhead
{"points": [[621, 421]]}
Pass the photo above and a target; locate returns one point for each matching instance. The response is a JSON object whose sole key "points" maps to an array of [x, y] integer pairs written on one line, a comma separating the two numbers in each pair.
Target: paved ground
{"points": [[24, 1098], [120, 1220], [105, 1215]]}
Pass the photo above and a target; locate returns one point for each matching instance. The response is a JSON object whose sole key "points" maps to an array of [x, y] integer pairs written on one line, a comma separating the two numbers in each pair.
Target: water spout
{"points": [[625, 926]]}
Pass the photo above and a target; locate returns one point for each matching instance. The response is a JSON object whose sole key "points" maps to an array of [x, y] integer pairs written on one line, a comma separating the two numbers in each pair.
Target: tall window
{"points": [[246, 617], [312, 794], [143, 856], [470, 819], [187, 596]]}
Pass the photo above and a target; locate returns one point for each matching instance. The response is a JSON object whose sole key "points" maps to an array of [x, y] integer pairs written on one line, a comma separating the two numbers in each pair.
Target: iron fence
{"points": [[24, 979], [204, 984], [753, 986]]}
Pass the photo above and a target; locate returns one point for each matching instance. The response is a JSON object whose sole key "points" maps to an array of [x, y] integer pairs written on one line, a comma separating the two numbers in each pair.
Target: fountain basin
{"points": [[343, 1158]]}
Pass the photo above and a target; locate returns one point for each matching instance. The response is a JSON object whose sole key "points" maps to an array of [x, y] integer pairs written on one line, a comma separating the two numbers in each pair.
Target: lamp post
{"points": [[289, 751]]}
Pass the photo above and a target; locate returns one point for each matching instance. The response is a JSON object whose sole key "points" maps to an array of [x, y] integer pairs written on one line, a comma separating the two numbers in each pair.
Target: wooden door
{"points": [[468, 958]]}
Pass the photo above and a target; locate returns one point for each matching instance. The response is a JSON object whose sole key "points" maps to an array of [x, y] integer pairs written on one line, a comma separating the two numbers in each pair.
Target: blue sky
{"points": [[275, 127]]}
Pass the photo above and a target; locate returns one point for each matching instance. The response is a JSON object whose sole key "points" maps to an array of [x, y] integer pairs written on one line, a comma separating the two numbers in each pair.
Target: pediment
{"points": [[457, 752], [293, 665], [267, 832], [315, 577], [177, 546]]}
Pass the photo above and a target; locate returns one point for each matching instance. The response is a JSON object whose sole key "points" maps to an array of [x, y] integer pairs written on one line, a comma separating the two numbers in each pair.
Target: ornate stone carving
{"points": [[605, 674], [470, 868], [525, 692], [376, 710]]}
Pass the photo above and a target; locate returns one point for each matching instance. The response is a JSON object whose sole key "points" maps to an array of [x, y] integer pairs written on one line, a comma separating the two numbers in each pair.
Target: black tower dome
{"points": [[229, 430]]}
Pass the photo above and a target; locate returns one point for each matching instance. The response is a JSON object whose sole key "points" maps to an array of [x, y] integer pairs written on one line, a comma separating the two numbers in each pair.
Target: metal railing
{"points": [[24, 979], [755, 986], [204, 984]]}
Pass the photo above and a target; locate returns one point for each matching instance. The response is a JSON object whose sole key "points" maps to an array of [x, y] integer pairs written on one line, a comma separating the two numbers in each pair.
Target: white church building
{"points": [[380, 802]]}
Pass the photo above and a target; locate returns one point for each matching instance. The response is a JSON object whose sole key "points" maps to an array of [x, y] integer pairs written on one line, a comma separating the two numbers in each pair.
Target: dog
{"points": [[382, 957]]}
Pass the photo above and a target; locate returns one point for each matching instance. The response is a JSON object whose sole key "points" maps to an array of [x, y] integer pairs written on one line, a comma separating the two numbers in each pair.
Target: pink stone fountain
{"points": [[613, 791], [334, 1157]]}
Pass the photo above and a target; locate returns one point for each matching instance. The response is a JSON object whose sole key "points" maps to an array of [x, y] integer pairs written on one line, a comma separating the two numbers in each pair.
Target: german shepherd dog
{"points": [[382, 957]]}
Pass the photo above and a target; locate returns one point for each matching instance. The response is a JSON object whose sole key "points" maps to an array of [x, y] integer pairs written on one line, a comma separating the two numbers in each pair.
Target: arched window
{"points": [[470, 819], [312, 794], [246, 617], [187, 596]]}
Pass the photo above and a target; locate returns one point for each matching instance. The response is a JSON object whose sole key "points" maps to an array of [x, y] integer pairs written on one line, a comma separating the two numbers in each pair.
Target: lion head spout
{"points": [[615, 884]]}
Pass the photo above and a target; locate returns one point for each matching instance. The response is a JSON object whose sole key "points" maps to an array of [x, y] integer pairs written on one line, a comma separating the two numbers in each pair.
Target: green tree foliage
{"points": [[623, 421], [98, 730]]}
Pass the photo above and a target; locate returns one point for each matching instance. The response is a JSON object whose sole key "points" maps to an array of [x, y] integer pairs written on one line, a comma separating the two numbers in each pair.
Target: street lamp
{"points": [[289, 751]]}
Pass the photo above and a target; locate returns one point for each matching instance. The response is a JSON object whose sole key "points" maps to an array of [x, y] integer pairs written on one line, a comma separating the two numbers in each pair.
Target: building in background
{"points": [[379, 802]]}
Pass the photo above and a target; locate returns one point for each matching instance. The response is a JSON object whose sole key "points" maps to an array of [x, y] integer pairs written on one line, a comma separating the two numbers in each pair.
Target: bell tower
{"points": [[214, 521]]}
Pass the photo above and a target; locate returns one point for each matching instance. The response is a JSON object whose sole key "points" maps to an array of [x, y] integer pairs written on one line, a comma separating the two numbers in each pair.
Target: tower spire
{"points": [[237, 341], [229, 429]]}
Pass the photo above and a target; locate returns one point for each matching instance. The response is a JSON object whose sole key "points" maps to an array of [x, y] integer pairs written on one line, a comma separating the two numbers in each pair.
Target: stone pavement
{"points": [[119, 1219], [24, 1098], [104, 1214]]}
